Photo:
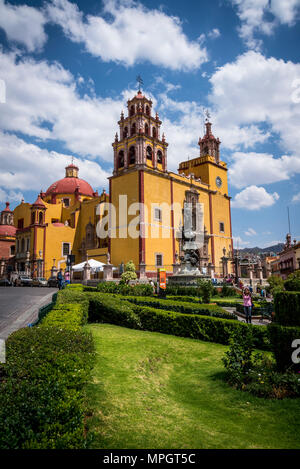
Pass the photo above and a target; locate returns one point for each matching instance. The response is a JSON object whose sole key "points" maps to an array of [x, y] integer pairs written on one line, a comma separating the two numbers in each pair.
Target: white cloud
{"points": [[251, 106], [285, 11], [42, 101], [245, 93], [214, 33], [132, 34], [296, 197], [250, 232], [248, 107], [254, 198], [10, 196], [238, 242], [261, 168], [24, 25], [29, 167], [262, 16]]}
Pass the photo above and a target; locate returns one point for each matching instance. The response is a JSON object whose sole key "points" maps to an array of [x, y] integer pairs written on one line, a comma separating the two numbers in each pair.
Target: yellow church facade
{"points": [[145, 221]]}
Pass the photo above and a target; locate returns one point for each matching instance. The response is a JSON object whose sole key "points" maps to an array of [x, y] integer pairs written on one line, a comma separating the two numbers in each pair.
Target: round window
{"points": [[219, 181]]}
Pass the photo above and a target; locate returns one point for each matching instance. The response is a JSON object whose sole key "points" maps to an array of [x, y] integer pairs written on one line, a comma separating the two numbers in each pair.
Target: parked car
{"points": [[23, 281], [39, 282], [4, 282], [52, 282]]}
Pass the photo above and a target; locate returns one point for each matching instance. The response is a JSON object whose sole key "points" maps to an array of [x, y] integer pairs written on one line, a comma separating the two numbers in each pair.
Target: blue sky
{"points": [[68, 68]]}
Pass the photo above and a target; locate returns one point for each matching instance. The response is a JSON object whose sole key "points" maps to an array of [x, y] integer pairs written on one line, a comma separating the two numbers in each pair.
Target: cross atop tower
{"points": [[207, 115], [140, 81]]}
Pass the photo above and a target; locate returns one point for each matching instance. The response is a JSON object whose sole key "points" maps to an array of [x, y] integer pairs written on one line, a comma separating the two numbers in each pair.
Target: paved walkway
{"points": [[19, 307]]}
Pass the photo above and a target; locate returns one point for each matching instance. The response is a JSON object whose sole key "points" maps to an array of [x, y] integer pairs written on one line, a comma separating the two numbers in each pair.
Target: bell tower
{"points": [[139, 143], [209, 145]]}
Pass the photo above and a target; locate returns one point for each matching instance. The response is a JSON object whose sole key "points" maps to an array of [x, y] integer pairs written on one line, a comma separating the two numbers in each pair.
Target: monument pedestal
{"points": [[107, 272]]}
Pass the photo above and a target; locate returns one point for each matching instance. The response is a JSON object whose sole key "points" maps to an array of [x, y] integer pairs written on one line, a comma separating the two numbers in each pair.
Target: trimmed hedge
{"points": [[114, 310], [122, 289], [44, 310], [188, 299], [105, 308], [177, 290], [42, 382], [69, 316], [281, 338], [183, 307], [287, 308]]}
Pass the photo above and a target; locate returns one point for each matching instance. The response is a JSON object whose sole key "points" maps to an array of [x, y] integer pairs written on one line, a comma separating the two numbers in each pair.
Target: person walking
{"points": [[247, 297], [60, 279]]}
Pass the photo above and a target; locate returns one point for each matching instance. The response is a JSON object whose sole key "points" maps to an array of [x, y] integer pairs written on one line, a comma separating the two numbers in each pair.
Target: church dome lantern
{"points": [[70, 184]]}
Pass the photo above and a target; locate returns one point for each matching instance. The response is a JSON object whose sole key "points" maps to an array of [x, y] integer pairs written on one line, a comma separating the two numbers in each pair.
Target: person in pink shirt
{"points": [[247, 304]]}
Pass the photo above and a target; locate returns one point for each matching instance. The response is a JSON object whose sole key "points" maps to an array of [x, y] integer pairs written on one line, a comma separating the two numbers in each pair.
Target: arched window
{"points": [[205, 150], [159, 157], [125, 132], [40, 218], [121, 159], [23, 245], [32, 219], [131, 155], [147, 110], [149, 153], [132, 110], [133, 129], [146, 129], [153, 132]]}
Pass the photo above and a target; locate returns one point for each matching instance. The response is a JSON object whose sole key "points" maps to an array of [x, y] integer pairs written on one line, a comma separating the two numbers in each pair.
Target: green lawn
{"points": [[151, 390]]}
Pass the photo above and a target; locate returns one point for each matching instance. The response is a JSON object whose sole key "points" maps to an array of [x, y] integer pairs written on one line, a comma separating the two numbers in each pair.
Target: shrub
{"points": [[183, 291], [183, 307], [104, 308], [70, 316], [287, 308], [238, 359], [129, 272], [114, 310], [123, 289], [206, 328], [75, 286], [255, 372], [68, 296], [88, 288], [42, 389], [206, 290], [227, 291], [275, 284], [188, 299], [281, 339]]}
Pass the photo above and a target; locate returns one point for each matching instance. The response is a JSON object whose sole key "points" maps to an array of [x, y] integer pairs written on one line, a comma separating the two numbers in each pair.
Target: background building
{"points": [[7, 241]]}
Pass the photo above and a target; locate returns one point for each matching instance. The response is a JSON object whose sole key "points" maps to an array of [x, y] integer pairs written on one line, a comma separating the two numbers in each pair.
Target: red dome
{"points": [[68, 185], [7, 230]]}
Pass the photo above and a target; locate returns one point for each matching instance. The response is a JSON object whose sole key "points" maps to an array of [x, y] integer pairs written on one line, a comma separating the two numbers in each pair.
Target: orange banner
{"points": [[162, 276]]}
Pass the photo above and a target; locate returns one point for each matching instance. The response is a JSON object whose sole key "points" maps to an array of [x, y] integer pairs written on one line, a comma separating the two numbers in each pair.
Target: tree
{"points": [[293, 281], [276, 284], [129, 273]]}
